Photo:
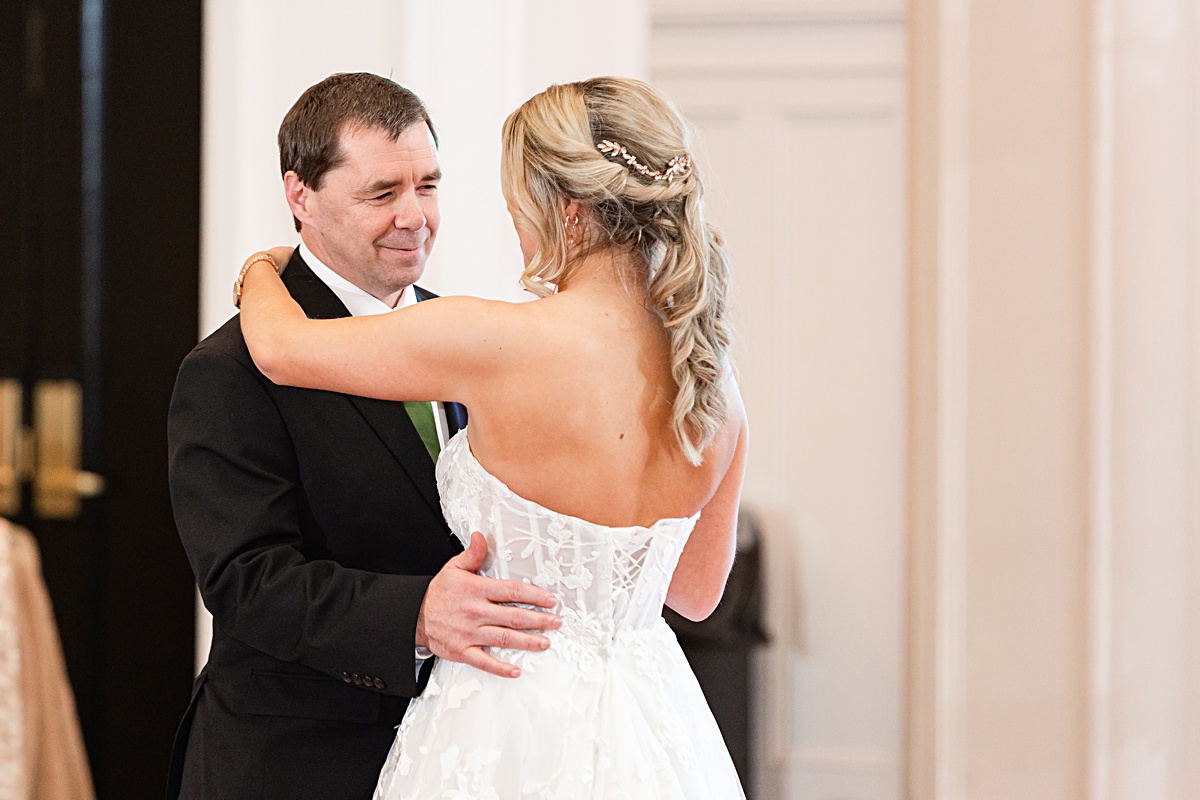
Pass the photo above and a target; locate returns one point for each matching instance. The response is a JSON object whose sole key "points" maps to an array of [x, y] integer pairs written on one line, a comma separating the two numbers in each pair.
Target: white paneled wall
{"points": [[472, 62], [800, 111]]}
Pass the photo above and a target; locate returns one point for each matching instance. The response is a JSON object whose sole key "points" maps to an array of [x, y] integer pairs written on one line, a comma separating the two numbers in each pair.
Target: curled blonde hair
{"points": [[551, 157]]}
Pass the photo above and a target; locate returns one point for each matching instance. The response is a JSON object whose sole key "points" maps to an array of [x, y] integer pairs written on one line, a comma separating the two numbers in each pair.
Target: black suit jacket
{"points": [[312, 523]]}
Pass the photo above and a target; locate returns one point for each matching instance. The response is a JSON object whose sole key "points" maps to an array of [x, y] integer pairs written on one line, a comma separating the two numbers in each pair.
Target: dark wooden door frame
{"points": [[100, 229]]}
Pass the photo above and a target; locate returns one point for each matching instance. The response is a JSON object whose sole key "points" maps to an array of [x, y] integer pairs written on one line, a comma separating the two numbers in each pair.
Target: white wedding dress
{"points": [[610, 711]]}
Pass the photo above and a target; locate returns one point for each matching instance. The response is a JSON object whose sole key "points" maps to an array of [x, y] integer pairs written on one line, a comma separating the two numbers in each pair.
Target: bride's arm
{"points": [[438, 349], [703, 567]]}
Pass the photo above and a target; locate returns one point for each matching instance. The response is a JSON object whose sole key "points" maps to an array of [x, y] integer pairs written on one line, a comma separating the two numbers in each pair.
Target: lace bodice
{"points": [[607, 579], [611, 710]]}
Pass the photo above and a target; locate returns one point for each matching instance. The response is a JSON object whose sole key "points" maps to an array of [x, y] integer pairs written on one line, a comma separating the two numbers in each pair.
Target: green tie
{"points": [[421, 413]]}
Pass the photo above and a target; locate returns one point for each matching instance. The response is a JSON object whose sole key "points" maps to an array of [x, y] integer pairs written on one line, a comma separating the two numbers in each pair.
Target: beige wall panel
{"points": [[1054, 635], [1026, 449]]}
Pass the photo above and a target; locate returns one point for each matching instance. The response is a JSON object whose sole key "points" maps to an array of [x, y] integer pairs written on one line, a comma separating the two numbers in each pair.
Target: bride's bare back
{"points": [[579, 416]]}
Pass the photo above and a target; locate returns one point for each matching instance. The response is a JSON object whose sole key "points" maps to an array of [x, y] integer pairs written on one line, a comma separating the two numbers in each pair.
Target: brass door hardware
{"points": [[48, 454], [59, 485], [12, 447]]}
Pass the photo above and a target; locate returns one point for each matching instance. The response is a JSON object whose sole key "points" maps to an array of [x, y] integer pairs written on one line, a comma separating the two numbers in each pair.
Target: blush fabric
{"points": [[41, 747]]}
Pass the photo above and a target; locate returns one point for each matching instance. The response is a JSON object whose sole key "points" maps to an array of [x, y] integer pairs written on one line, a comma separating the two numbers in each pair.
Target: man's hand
{"points": [[462, 613]]}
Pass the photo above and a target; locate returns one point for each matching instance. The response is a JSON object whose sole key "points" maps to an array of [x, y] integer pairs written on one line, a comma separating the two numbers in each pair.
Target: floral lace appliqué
{"points": [[611, 710]]}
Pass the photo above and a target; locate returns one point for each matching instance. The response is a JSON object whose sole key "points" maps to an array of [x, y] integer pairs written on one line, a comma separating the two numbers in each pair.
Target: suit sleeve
{"points": [[236, 494]]}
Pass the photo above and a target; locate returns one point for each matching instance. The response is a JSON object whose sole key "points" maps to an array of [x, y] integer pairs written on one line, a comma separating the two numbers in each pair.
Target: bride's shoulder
{"points": [[462, 304], [516, 317], [465, 312], [499, 327]]}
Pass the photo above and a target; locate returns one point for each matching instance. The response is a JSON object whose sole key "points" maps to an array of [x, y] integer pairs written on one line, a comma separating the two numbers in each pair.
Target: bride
{"points": [[603, 461]]}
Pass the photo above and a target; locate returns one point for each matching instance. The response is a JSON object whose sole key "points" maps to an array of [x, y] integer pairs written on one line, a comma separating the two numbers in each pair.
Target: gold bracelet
{"points": [[250, 262]]}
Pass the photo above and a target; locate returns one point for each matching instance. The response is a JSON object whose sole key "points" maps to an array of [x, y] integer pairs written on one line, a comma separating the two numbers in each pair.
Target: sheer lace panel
{"points": [[607, 579]]}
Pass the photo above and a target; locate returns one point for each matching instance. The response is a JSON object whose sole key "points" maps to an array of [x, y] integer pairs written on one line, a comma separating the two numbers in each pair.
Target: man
{"points": [[311, 519]]}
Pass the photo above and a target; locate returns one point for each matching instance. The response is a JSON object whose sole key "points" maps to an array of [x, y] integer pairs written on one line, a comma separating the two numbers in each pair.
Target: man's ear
{"points": [[298, 196]]}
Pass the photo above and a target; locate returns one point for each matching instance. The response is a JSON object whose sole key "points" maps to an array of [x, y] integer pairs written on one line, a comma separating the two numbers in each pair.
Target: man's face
{"points": [[375, 217]]}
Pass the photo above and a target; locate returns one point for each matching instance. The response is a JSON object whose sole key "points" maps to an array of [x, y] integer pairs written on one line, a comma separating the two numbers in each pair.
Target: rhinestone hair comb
{"points": [[675, 166]]}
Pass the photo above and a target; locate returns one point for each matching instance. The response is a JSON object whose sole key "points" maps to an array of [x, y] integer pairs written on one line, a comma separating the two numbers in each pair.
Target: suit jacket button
{"points": [[346, 677], [358, 681], [379, 684]]}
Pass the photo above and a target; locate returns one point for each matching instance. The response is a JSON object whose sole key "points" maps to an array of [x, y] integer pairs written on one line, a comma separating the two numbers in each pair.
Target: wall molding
{"points": [[683, 13], [938, 398], [1193, 652], [781, 71], [950, 624], [1100, 578]]}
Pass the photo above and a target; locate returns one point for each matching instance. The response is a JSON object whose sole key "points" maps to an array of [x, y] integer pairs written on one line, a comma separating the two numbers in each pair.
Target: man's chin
{"points": [[405, 268]]}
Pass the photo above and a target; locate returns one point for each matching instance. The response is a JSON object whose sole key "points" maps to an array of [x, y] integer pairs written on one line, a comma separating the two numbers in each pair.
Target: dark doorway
{"points": [[99, 225]]}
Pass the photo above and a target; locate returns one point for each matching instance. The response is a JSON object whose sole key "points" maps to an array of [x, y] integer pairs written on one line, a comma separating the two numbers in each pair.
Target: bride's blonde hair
{"points": [[621, 150]]}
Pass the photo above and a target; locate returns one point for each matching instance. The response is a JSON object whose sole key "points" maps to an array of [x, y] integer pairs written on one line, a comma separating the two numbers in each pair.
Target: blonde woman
{"points": [[603, 460]]}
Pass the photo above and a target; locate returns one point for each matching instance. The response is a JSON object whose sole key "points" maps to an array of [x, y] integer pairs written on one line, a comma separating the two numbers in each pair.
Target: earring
{"points": [[569, 224]]}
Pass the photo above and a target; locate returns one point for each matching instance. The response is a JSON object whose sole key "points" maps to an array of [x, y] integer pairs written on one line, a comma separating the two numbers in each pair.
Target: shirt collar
{"points": [[358, 302]]}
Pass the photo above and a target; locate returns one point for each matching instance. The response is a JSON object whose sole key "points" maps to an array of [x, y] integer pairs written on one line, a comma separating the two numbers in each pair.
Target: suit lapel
{"points": [[388, 420], [317, 299], [392, 424]]}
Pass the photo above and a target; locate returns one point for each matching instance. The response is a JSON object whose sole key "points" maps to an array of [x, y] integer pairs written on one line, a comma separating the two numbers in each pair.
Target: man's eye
{"points": [[383, 196]]}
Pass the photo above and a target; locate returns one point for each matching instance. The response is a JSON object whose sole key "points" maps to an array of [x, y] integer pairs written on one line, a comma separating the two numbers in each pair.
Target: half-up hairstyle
{"points": [[621, 150]]}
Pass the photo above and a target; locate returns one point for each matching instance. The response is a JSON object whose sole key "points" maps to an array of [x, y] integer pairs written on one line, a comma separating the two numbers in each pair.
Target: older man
{"points": [[311, 519]]}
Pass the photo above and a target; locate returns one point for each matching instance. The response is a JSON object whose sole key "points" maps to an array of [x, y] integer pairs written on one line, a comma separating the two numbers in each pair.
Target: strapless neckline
{"points": [[610, 709], [460, 441]]}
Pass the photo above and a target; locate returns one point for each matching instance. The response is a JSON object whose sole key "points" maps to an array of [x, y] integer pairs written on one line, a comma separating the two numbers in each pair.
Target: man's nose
{"points": [[408, 212]]}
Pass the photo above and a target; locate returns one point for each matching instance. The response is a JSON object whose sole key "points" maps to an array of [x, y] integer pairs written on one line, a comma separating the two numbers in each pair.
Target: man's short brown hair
{"points": [[310, 135]]}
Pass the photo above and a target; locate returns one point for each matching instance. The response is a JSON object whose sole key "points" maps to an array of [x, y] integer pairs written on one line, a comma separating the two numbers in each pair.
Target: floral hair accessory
{"points": [[677, 165]]}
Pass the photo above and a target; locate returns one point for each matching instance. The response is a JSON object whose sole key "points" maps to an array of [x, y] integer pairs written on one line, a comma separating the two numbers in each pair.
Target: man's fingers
{"points": [[508, 639], [472, 558], [534, 621], [502, 591], [480, 659], [464, 613], [514, 617], [522, 619]]}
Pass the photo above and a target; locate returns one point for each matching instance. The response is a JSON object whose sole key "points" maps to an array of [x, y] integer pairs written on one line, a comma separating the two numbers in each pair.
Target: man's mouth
{"points": [[402, 246]]}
